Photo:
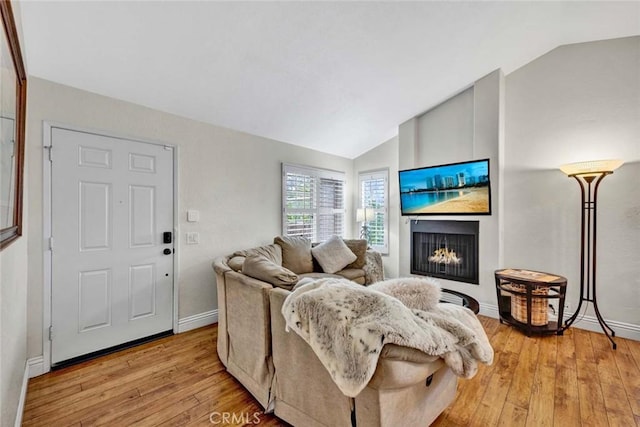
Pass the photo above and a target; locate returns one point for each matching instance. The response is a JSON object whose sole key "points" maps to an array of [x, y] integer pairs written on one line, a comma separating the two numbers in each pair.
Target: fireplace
{"points": [[445, 249]]}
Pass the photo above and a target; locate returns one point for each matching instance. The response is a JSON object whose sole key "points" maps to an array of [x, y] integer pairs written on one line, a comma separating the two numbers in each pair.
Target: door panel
{"points": [[142, 286], [141, 216], [142, 163], [111, 201], [95, 216], [94, 157], [94, 301]]}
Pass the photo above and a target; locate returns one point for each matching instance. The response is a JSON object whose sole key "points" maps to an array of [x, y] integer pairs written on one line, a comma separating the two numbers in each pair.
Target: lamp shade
{"points": [[591, 168], [364, 214]]}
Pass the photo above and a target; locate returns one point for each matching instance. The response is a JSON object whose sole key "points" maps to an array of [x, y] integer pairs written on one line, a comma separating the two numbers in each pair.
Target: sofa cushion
{"points": [[296, 253], [261, 268], [353, 274], [317, 275], [333, 255], [359, 248]]}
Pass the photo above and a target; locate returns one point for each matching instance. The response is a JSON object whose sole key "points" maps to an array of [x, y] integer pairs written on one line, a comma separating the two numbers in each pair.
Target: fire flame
{"points": [[445, 256]]}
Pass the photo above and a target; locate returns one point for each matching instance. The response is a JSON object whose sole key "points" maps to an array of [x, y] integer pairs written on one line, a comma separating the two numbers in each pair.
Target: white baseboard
{"points": [[23, 395], [622, 329], [489, 310], [589, 323], [197, 321], [35, 365]]}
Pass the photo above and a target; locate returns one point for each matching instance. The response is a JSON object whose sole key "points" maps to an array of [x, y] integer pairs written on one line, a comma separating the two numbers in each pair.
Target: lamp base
{"points": [[609, 333], [364, 233]]}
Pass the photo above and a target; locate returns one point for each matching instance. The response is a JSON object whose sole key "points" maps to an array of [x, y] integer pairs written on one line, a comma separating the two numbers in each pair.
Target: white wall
{"points": [[13, 327], [578, 102], [13, 320], [384, 156], [468, 126], [446, 131], [232, 178]]}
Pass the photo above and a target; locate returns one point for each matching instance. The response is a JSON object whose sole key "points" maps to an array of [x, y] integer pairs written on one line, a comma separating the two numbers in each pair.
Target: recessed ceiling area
{"points": [[338, 77]]}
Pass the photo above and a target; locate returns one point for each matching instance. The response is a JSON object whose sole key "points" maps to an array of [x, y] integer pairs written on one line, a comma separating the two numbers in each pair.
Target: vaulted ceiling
{"points": [[334, 76]]}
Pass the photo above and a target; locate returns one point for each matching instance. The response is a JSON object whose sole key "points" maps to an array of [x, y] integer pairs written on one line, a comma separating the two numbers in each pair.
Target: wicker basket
{"points": [[539, 313]]}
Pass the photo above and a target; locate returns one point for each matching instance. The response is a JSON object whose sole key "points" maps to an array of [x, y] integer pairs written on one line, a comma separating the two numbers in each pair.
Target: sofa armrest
{"points": [[220, 265], [394, 373], [248, 313], [247, 317], [407, 354]]}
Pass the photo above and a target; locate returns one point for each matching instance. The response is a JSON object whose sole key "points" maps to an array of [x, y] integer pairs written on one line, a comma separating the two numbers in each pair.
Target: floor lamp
{"points": [[589, 176]]}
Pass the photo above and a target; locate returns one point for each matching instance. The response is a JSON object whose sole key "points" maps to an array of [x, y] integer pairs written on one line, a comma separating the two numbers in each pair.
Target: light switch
{"points": [[193, 238], [193, 215]]}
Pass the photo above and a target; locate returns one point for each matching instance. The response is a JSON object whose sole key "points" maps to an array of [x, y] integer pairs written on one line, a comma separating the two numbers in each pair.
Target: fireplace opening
{"points": [[445, 249]]}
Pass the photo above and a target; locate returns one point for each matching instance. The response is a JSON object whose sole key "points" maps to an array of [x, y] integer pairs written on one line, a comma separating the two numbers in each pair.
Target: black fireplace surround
{"points": [[445, 249]]}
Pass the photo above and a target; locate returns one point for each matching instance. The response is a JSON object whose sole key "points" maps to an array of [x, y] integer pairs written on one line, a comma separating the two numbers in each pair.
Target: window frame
{"points": [[371, 175], [316, 210]]}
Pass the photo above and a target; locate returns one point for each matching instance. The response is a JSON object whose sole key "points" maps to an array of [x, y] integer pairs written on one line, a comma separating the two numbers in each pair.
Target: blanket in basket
{"points": [[347, 325]]}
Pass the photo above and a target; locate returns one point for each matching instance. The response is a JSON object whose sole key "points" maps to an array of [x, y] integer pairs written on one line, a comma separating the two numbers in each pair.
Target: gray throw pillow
{"points": [[296, 253], [359, 248], [272, 252], [261, 268], [333, 255], [235, 263]]}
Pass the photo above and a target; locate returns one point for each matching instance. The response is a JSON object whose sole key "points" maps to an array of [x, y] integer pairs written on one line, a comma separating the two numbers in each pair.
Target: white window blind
{"points": [[313, 202], [374, 194]]}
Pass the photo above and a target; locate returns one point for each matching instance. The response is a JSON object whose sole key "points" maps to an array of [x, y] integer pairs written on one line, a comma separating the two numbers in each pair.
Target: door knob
{"points": [[167, 251]]}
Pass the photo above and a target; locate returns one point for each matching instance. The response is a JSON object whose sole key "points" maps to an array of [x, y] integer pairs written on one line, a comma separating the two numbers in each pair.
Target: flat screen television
{"points": [[453, 189]]}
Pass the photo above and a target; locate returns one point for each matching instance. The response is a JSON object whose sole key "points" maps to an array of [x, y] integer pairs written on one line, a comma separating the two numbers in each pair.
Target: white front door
{"points": [[112, 270]]}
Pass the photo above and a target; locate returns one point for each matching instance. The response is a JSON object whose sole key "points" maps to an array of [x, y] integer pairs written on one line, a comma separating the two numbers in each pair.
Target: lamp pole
{"points": [[589, 175]]}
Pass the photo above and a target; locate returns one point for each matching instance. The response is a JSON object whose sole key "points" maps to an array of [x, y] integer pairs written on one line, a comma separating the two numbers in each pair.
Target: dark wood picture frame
{"points": [[13, 229]]}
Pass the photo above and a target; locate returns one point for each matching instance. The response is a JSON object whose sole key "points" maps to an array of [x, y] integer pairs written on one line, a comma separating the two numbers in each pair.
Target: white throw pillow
{"points": [[333, 255]]}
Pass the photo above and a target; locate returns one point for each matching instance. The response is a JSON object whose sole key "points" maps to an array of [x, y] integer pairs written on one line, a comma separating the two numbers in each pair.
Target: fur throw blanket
{"points": [[347, 325]]}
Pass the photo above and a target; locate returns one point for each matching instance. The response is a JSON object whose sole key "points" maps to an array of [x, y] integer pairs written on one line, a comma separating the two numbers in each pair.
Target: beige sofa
{"points": [[283, 373]]}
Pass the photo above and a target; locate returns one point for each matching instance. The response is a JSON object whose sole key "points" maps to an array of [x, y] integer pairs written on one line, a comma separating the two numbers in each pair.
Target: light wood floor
{"points": [[571, 380]]}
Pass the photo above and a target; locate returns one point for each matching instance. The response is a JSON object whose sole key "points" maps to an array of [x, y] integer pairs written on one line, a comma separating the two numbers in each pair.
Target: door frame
{"points": [[47, 127]]}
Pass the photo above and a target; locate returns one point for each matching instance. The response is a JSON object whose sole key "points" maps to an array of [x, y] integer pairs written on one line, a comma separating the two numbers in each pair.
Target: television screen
{"points": [[453, 189]]}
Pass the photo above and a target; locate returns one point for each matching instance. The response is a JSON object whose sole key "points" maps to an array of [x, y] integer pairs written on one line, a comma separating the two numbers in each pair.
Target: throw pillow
{"points": [[236, 262], [296, 253], [359, 248], [333, 255], [261, 268], [271, 252], [416, 293]]}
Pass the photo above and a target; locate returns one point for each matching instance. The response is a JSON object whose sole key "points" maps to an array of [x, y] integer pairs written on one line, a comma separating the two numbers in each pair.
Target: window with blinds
{"points": [[374, 194], [313, 202]]}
